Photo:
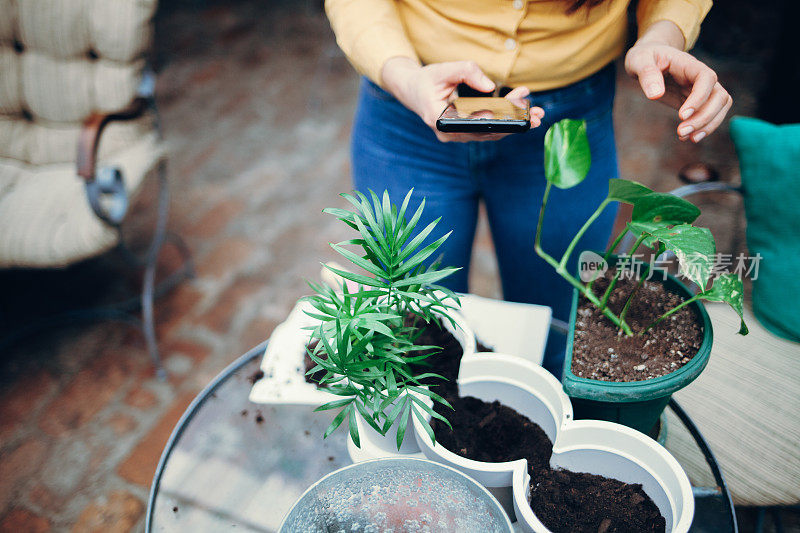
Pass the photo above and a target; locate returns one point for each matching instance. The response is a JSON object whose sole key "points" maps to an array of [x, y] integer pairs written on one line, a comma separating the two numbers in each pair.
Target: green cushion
{"points": [[769, 157]]}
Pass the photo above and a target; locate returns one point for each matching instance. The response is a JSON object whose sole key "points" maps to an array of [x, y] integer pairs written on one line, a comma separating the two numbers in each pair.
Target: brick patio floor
{"points": [[257, 103]]}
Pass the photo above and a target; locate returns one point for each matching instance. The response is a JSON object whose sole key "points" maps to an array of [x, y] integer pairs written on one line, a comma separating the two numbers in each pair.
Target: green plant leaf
{"points": [[409, 248], [369, 418], [428, 409], [694, 247], [421, 256], [657, 209], [358, 278], [334, 404], [337, 421], [402, 422], [626, 191], [401, 215], [426, 278], [567, 157], [359, 261], [728, 288], [353, 426]]}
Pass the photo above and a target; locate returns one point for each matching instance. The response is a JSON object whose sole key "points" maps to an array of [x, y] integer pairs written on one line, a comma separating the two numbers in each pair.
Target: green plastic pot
{"points": [[636, 404]]}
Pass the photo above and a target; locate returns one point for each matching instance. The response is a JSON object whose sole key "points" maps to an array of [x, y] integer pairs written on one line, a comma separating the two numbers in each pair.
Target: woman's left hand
{"points": [[690, 86]]}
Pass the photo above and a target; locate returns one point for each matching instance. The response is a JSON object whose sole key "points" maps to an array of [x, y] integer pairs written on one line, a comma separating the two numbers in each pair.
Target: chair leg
{"points": [[148, 322], [151, 263]]}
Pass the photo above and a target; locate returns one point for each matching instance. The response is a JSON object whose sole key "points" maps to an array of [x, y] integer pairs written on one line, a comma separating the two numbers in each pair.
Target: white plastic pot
{"points": [[284, 381], [596, 447], [284, 367], [376, 446]]}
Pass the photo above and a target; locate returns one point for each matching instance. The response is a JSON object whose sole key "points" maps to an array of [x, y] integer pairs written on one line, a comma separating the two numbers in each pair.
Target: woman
{"points": [[559, 53]]}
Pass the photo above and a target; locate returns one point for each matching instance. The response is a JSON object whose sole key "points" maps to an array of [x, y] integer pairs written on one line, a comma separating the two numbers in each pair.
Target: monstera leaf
{"points": [[728, 288], [626, 191], [567, 157], [694, 247], [657, 209]]}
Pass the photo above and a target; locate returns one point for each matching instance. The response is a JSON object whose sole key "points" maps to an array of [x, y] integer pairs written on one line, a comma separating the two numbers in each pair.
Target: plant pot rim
{"points": [[570, 436], [634, 391]]}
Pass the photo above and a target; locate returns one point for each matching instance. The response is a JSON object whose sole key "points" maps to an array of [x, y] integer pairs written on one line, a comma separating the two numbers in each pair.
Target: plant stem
{"points": [[627, 306], [611, 250], [586, 225], [673, 310], [537, 244], [616, 243], [650, 268], [563, 272], [613, 283]]}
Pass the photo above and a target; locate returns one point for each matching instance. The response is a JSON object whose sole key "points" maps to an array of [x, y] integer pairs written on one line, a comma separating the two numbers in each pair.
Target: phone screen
{"points": [[476, 108], [485, 114]]}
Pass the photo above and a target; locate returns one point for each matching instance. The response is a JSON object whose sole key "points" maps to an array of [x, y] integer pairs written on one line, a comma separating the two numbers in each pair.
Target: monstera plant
{"points": [[613, 370], [661, 221]]}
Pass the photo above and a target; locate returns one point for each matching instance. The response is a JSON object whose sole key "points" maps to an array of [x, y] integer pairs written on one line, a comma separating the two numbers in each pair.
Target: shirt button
{"points": [[510, 44], [518, 4]]}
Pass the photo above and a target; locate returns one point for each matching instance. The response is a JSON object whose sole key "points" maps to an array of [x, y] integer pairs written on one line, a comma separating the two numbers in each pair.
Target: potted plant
{"points": [[586, 460], [365, 345], [633, 342]]}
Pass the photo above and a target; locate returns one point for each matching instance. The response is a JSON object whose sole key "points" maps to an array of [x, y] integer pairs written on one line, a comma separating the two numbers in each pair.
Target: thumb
{"points": [[468, 72], [651, 79]]}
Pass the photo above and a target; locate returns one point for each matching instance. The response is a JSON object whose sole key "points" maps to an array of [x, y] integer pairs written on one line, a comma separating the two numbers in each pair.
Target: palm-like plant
{"points": [[366, 338]]}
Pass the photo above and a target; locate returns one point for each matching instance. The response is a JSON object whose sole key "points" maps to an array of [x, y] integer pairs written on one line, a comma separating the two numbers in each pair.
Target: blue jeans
{"points": [[392, 149]]}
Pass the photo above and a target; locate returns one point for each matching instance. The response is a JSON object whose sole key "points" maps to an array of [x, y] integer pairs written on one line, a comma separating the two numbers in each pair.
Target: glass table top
{"points": [[235, 465]]}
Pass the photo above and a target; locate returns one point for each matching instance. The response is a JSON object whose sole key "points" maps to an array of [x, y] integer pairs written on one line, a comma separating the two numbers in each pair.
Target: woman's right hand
{"points": [[428, 90]]}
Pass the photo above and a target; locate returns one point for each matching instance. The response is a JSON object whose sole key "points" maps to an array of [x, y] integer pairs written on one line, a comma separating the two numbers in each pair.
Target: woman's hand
{"points": [[427, 91], [691, 86]]}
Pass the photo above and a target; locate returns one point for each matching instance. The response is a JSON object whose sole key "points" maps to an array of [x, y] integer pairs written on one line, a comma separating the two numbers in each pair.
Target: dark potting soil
{"points": [[572, 502], [492, 432], [601, 352], [255, 377], [480, 347]]}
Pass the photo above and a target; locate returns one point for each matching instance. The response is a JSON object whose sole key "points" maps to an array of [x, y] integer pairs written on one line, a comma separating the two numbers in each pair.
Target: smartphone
{"points": [[478, 114]]}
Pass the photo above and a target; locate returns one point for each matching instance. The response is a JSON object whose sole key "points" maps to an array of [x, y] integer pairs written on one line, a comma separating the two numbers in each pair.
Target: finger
{"points": [[537, 112], [468, 72], [673, 94], [535, 121], [651, 79], [714, 124], [518, 92], [702, 80], [705, 114]]}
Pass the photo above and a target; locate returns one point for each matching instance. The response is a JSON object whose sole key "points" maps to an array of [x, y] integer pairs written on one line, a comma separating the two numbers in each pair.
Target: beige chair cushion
{"points": [[45, 217], [76, 56], [747, 406], [61, 61]]}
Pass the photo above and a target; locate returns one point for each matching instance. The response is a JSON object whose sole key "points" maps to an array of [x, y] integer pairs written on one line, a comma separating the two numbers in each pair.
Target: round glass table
{"points": [[234, 465]]}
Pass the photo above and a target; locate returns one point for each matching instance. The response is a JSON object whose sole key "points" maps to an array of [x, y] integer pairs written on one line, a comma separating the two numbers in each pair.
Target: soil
{"points": [[482, 347], [255, 377], [446, 362], [492, 432], [602, 352], [572, 502]]}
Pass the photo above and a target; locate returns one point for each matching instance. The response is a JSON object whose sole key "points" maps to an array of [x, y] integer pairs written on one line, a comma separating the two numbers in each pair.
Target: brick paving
{"points": [[257, 103]]}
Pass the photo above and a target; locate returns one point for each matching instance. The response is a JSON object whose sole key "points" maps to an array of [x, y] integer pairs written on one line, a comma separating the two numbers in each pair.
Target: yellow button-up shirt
{"points": [[532, 43]]}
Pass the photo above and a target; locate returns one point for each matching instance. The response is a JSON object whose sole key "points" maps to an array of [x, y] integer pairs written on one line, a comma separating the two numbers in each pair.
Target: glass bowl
{"points": [[396, 495]]}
